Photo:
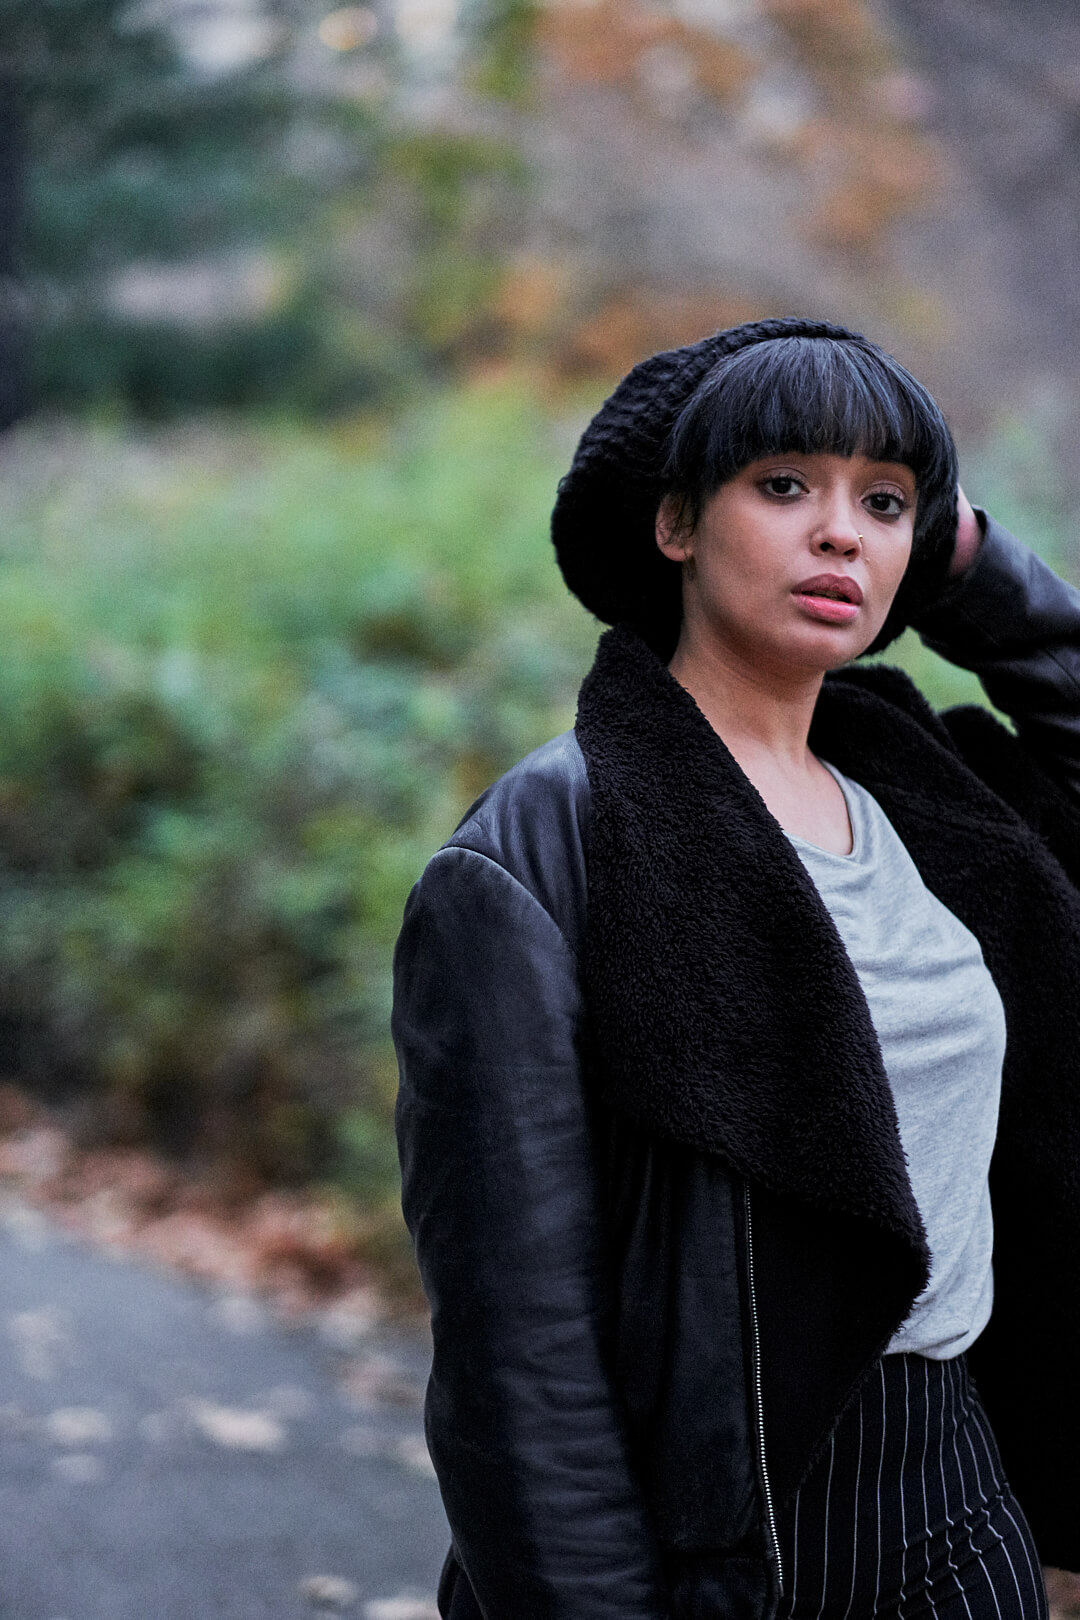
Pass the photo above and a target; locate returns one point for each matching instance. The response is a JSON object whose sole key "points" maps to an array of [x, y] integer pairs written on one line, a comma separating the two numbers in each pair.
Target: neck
{"points": [[762, 715]]}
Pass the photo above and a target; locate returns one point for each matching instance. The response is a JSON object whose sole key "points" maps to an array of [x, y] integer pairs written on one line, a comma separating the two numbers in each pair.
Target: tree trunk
{"points": [[14, 390]]}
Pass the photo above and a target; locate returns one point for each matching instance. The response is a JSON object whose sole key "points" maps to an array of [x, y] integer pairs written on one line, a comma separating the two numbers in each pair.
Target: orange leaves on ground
{"points": [[297, 1250], [616, 42], [836, 37]]}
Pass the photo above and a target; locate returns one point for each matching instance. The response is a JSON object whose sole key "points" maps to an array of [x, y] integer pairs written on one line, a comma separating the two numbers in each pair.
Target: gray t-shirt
{"points": [[941, 1028]]}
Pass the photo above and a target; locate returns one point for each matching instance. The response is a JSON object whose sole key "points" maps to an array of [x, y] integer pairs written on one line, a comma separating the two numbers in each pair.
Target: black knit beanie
{"points": [[604, 520]]}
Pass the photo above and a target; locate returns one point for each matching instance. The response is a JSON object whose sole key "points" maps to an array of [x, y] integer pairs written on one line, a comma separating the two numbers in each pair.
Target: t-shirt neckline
{"points": [[854, 854]]}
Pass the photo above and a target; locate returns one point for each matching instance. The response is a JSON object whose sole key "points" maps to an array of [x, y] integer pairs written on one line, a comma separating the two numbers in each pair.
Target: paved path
{"points": [[171, 1454]]}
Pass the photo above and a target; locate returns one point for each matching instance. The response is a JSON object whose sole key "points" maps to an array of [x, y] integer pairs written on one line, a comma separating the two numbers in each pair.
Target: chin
{"points": [[818, 654], [836, 646], [841, 659]]}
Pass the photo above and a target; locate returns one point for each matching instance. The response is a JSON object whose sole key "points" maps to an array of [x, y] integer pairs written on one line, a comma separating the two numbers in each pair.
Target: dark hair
{"points": [[682, 423]]}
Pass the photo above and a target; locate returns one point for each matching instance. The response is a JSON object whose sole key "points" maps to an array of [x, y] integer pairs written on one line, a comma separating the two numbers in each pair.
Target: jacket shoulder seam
{"points": [[482, 855]]}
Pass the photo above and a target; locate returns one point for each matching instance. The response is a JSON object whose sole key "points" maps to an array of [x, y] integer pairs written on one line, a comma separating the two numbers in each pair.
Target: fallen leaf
{"points": [[78, 1426], [329, 1591], [236, 1429]]}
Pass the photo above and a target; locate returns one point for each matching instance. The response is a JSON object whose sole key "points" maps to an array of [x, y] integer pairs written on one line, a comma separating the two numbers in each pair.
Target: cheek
{"points": [[744, 564], [893, 570]]}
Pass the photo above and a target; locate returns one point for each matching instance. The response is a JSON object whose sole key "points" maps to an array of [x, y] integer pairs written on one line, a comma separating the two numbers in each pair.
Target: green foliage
{"points": [[503, 32], [462, 193], [135, 153], [253, 680], [161, 370]]}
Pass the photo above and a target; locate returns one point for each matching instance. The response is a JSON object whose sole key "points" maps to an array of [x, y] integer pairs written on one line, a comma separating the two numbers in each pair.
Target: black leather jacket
{"points": [[650, 1161]]}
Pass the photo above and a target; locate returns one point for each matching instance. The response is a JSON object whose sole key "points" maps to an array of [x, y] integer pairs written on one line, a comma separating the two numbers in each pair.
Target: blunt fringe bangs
{"points": [[807, 395]]}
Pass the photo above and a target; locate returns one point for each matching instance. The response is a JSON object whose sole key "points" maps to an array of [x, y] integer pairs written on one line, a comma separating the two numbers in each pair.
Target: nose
{"points": [[837, 532]]}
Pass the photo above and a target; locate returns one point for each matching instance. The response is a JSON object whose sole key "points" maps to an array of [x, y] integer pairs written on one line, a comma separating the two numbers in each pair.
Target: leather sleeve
{"points": [[1016, 624], [500, 1198]]}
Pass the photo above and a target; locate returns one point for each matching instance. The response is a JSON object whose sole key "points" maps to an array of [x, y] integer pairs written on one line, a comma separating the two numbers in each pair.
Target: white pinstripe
{"points": [[984, 1500], [828, 1493], [903, 1514], [963, 1498], [922, 1469], [795, 1554], [881, 1459], [990, 1460], [855, 1528], [988, 1502], [945, 1495], [1038, 1586]]}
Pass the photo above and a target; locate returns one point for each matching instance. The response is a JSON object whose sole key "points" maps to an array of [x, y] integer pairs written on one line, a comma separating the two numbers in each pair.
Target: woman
{"points": [[703, 1017]]}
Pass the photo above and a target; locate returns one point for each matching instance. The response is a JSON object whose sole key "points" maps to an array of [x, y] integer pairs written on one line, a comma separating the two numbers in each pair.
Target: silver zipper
{"points": [[757, 1386]]}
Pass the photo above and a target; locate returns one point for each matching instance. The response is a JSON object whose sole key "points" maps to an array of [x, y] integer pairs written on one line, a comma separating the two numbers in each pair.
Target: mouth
{"points": [[831, 598]]}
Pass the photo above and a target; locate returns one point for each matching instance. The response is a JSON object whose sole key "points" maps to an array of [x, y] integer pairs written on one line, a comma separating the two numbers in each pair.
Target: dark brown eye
{"points": [[886, 503], [782, 484]]}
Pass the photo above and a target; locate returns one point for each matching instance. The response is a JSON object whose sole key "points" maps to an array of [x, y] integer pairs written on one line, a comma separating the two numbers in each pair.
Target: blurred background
{"points": [[301, 311]]}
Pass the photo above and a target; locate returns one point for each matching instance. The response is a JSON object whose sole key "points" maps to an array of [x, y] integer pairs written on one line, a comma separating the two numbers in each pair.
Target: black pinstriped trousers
{"points": [[908, 1512]]}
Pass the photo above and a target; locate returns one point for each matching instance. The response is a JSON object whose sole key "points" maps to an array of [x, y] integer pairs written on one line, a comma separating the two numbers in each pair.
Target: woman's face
{"points": [[795, 560]]}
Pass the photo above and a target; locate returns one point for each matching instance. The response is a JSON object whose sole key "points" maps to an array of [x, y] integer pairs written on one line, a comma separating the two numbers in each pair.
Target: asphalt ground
{"points": [[168, 1452]]}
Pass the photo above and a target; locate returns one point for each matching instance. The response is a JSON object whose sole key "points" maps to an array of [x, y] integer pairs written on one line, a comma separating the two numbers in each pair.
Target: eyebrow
{"points": [[817, 455]]}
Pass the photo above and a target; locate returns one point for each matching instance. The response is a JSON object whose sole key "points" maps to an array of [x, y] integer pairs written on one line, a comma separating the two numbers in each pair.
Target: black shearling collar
{"points": [[725, 1009]]}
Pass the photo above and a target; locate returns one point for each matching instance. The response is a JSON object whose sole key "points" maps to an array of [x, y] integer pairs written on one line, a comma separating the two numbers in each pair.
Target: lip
{"points": [[833, 587], [829, 598]]}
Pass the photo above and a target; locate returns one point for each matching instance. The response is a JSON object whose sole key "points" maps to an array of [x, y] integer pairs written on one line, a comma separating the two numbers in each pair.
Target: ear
{"points": [[671, 537]]}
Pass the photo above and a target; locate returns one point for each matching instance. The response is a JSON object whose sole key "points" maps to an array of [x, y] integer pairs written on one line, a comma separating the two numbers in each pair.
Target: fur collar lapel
{"points": [[727, 1014]]}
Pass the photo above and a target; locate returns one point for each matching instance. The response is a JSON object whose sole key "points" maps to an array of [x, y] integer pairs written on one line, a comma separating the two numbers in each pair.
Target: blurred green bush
{"points": [[252, 678]]}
